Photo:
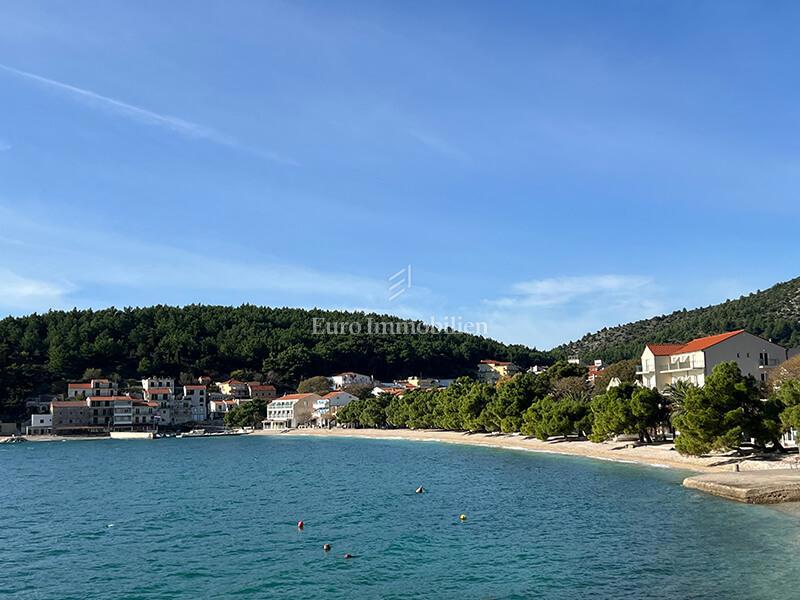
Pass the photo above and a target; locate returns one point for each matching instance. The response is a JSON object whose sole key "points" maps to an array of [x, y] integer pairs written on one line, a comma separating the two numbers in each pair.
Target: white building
{"points": [[345, 379], [219, 406], [159, 382], [95, 387], [196, 397], [666, 364], [324, 409], [290, 411], [40, 425], [161, 390]]}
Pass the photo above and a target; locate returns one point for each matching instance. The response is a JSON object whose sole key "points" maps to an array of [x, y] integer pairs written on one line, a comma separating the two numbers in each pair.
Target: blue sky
{"points": [[548, 168]]}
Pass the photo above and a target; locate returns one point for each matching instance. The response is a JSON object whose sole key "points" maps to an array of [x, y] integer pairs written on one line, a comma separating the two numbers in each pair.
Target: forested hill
{"points": [[40, 353], [773, 313]]}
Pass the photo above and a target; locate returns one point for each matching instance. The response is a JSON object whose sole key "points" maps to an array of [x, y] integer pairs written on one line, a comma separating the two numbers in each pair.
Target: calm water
{"points": [[214, 518]]}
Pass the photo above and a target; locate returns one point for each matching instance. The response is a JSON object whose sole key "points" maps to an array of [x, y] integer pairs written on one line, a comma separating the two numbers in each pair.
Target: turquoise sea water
{"points": [[216, 518]]}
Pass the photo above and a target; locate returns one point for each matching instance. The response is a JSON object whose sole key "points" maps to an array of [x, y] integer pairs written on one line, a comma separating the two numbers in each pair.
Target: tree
{"points": [[90, 374], [788, 395], [247, 414], [558, 416], [612, 413], [315, 385], [723, 413], [359, 390]]}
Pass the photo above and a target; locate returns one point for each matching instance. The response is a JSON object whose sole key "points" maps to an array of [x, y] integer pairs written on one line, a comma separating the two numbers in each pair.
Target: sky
{"points": [[545, 168]]}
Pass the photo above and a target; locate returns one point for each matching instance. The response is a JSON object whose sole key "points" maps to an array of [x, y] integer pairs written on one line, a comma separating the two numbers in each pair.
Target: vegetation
{"points": [[726, 411], [773, 313], [41, 353], [247, 414], [315, 385]]}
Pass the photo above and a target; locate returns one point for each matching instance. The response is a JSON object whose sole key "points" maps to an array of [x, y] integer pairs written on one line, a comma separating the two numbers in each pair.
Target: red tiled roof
{"points": [[195, 387], [79, 386], [495, 362], [69, 403], [664, 349], [263, 388], [295, 396], [707, 342], [143, 403], [695, 345], [158, 391]]}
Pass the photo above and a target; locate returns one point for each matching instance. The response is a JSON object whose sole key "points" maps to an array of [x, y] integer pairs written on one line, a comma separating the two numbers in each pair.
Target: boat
{"points": [[204, 433]]}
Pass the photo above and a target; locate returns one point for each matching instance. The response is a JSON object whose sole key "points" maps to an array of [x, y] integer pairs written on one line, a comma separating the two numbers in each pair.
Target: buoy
{"points": [[348, 556], [326, 547], [420, 490], [463, 517], [300, 524]]}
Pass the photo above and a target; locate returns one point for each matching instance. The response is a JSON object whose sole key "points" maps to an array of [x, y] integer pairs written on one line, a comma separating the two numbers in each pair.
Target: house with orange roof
{"points": [[290, 411], [665, 364]]}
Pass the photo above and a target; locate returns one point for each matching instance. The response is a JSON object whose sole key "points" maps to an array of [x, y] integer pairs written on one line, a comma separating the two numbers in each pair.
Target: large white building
{"points": [[665, 364], [289, 411], [342, 380]]}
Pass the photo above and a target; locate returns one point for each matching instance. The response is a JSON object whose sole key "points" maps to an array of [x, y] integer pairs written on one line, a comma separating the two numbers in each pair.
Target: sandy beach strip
{"points": [[656, 455]]}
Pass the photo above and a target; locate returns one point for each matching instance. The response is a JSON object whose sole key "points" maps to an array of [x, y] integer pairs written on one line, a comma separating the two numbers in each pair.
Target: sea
{"points": [[218, 518]]}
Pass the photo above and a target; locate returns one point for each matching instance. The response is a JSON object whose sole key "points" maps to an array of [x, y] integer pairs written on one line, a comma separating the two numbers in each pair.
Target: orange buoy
{"points": [[300, 524]]}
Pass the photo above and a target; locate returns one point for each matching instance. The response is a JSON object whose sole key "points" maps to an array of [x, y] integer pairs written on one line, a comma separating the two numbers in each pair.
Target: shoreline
{"points": [[656, 455]]}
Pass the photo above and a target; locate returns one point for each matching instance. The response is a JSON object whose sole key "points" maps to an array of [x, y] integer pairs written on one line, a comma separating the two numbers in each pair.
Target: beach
{"points": [[657, 455]]}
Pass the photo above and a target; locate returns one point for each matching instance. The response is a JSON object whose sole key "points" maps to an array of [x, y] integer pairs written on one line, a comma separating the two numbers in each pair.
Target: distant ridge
{"points": [[773, 313]]}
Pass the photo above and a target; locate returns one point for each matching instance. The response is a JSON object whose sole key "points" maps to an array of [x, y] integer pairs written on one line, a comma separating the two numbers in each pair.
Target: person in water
{"points": [[326, 547]]}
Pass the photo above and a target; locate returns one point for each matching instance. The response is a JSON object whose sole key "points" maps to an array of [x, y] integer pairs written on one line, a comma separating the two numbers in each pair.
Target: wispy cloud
{"points": [[30, 294], [564, 290], [148, 117], [547, 312]]}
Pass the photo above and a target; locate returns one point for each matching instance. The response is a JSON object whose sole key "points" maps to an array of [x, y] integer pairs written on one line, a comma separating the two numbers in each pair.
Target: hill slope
{"points": [[40, 353], [773, 313]]}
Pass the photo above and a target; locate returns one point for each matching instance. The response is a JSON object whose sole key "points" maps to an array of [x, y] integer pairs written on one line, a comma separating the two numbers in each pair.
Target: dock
{"points": [[768, 486]]}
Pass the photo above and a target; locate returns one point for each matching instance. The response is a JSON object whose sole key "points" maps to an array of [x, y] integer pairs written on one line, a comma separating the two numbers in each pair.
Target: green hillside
{"points": [[40, 353], [773, 313]]}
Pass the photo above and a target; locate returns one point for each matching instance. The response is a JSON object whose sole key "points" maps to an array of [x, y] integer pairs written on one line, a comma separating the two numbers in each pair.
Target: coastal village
{"points": [[160, 405]]}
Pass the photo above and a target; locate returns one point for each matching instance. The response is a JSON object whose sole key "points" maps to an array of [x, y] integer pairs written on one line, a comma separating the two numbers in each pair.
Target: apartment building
{"points": [[290, 411], [95, 387], [259, 391], [197, 398], [665, 364], [324, 409], [491, 371]]}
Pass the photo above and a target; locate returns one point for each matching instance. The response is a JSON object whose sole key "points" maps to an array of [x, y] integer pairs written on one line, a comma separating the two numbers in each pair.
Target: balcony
{"points": [[647, 367], [682, 365]]}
